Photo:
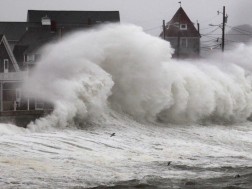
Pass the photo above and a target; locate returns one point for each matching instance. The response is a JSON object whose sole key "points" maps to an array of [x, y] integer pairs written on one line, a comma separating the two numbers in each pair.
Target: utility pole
{"points": [[223, 29], [224, 21], [164, 29], [178, 45], [198, 26]]}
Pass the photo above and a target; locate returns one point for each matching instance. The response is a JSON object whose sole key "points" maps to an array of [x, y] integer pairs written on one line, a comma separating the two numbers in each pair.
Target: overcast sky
{"points": [[146, 13]]}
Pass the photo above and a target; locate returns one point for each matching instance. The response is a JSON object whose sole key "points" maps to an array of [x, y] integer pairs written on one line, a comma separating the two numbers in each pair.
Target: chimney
{"points": [[53, 26]]}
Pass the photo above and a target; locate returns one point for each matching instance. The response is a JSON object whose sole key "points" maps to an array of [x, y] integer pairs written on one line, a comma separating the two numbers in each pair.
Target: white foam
{"points": [[136, 72], [10, 129]]}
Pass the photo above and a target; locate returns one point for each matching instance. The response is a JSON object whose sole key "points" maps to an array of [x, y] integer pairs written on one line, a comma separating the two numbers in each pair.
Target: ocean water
{"points": [[128, 116]]}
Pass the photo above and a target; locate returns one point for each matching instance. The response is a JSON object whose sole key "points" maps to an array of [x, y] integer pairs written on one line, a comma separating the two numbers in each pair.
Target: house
{"points": [[71, 18], [19, 50], [183, 36], [45, 26], [13, 31], [14, 106], [10, 77]]}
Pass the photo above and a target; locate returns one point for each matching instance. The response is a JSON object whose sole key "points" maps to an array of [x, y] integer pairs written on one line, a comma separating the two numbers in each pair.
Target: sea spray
{"points": [[204, 91], [122, 67], [10, 129]]}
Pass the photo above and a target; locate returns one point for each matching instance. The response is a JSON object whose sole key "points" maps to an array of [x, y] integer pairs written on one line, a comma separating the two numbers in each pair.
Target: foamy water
{"points": [[117, 79]]}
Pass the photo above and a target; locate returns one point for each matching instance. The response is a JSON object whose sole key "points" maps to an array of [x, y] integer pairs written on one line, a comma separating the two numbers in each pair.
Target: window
{"points": [[29, 58], [18, 95], [183, 26], [6, 65], [25, 58], [39, 105], [183, 43]]}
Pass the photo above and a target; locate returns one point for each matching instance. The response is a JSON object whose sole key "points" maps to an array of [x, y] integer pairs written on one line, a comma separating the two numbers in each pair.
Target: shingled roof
{"points": [[35, 38], [73, 17], [172, 27], [14, 30]]}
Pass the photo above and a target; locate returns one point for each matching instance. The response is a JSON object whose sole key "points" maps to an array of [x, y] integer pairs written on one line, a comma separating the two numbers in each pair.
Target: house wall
{"points": [[4, 55], [9, 96], [192, 48], [21, 119], [10, 102]]}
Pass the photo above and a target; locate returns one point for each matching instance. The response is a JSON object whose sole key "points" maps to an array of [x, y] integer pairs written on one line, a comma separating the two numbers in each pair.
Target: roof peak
{"points": [[179, 15]]}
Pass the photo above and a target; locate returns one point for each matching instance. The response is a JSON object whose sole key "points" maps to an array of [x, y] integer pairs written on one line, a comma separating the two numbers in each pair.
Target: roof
{"points": [[71, 17], [8, 49], [172, 27], [18, 52], [14, 30], [35, 38]]}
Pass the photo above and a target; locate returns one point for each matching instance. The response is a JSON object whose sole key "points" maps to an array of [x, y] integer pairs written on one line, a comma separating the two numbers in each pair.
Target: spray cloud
{"points": [[122, 67]]}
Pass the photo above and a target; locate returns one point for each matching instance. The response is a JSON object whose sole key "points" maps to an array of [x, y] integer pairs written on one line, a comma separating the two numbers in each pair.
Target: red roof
{"points": [[172, 27]]}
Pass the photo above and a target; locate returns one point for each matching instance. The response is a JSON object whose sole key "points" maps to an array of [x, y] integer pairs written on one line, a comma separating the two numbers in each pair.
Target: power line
{"points": [[149, 29], [240, 31], [211, 31], [210, 19], [232, 27]]}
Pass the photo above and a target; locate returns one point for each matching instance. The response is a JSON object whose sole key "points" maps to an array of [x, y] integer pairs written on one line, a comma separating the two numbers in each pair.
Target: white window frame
{"points": [[6, 65], [25, 57], [18, 94], [183, 28], [30, 57]]}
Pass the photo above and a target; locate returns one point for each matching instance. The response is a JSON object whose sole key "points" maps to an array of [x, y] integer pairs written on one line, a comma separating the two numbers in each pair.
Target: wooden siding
{"points": [[4, 55]]}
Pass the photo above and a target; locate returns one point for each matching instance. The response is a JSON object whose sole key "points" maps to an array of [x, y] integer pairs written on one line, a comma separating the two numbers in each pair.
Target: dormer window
{"points": [[46, 21], [29, 57], [183, 26]]}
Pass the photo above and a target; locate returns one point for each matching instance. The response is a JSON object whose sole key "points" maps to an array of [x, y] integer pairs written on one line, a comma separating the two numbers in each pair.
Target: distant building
{"points": [[183, 36], [19, 45]]}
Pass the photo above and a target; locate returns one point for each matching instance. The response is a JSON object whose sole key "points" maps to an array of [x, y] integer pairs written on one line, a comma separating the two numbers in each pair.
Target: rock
{"points": [[237, 176], [190, 183]]}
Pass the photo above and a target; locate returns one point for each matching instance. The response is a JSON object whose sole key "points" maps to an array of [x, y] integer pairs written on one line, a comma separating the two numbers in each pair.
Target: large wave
{"points": [[123, 68]]}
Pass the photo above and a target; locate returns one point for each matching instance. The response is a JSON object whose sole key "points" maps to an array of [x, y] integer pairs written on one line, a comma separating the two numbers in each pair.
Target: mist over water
{"points": [[132, 72]]}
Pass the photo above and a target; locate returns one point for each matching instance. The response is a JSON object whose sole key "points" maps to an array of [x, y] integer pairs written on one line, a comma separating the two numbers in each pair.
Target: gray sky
{"points": [[146, 13]]}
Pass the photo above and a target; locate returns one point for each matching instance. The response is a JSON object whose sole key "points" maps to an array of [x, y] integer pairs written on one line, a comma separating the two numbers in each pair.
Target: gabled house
{"points": [[19, 50], [13, 31], [10, 77], [71, 18], [8, 62], [48, 25], [183, 36], [26, 50]]}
